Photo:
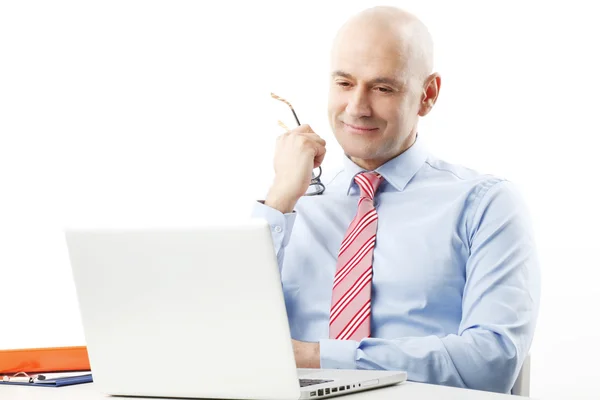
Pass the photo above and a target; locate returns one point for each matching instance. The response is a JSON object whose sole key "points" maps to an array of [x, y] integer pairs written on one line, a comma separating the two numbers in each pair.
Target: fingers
{"points": [[303, 136], [319, 156], [313, 137], [306, 130]]}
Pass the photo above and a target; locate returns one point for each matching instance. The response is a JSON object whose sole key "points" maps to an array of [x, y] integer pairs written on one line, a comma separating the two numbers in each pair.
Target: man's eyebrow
{"points": [[387, 81], [342, 74]]}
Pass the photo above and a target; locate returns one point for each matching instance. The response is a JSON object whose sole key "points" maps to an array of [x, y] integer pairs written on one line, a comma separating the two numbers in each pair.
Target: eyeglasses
{"points": [[316, 187], [22, 377]]}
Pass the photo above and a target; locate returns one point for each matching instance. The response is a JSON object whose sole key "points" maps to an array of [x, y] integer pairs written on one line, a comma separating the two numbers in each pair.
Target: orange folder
{"points": [[50, 359]]}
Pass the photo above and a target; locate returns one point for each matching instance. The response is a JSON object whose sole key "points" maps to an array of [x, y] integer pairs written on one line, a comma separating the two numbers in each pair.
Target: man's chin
{"points": [[365, 150], [360, 155]]}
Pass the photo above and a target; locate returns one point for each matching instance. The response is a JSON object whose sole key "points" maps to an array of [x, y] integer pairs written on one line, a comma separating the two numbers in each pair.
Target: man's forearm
{"points": [[478, 359], [281, 227]]}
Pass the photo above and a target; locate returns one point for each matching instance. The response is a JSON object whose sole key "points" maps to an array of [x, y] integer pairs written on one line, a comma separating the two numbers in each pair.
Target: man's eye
{"points": [[343, 84], [383, 90]]}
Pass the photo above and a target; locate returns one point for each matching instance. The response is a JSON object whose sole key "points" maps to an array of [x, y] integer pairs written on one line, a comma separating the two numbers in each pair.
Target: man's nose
{"points": [[358, 105]]}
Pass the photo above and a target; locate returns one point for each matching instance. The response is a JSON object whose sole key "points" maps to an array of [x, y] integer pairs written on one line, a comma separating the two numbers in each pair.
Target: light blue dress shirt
{"points": [[456, 280]]}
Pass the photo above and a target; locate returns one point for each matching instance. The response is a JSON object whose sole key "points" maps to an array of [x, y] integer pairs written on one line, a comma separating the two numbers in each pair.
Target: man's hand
{"points": [[297, 153], [307, 355]]}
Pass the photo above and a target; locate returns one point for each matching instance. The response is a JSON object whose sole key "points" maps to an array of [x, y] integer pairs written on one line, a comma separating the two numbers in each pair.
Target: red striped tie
{"points": [[351, 299]]}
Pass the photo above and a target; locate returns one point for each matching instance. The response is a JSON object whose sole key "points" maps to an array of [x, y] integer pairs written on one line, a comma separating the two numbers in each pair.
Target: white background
{"points": [[122, 112]]}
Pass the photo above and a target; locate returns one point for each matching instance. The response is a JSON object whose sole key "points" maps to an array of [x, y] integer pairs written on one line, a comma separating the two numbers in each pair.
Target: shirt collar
{"points": [[397, 172]]}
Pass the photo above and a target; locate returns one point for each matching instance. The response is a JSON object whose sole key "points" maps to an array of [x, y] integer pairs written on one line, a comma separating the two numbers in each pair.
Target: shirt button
{"points": [[277, 229]]}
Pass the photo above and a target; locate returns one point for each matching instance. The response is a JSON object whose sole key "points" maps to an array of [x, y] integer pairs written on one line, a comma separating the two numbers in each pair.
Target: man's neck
{"points": [[373, 164]]}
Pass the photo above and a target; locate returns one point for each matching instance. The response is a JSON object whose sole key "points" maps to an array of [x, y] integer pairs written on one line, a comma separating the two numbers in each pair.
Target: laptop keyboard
{"points": [[309, 382]]}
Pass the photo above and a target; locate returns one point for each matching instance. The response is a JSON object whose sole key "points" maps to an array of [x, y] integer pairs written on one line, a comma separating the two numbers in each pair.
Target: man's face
{"points": [[374, 100]]}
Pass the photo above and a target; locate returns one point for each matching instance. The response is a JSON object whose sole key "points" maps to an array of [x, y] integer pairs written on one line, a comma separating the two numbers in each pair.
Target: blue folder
{"points": [[57, 382]]}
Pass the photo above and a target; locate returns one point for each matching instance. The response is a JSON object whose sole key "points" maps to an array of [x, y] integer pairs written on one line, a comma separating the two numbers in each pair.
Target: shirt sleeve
{"points": [[499, 313], [281, 227]]}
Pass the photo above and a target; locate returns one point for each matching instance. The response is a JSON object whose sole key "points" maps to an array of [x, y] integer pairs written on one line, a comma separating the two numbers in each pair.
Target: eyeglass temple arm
{"points": [[296, 117]]}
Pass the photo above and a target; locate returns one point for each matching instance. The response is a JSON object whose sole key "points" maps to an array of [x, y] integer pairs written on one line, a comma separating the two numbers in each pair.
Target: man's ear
{"points": [[431, 91]]}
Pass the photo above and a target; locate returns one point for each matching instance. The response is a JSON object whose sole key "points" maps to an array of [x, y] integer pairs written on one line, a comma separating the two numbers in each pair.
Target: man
{"points": [[405, 262]]}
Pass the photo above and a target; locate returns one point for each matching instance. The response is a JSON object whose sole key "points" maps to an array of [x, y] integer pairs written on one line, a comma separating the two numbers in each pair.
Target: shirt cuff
{"points": [[338, 354], [281, 224]]}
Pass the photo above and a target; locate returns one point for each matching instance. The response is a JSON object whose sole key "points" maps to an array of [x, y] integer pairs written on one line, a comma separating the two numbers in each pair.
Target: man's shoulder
{"points": [[440, 171], [487, 198], [473, 183], [455, 171]]}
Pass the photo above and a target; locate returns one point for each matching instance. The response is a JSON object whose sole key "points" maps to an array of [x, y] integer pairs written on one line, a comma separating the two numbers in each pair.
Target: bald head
{"points": [[381, 83], [398, 32]]}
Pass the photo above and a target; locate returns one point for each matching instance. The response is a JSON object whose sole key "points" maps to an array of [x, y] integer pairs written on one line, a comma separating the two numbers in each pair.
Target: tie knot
{"points": [[368, 182]]}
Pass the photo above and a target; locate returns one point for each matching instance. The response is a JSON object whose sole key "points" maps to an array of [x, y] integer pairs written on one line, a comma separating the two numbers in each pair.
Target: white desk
{"points": [[403, 391]]}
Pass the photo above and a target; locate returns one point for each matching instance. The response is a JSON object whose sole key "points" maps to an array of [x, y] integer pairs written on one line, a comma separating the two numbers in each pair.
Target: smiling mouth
{"points": [[359, 128]]}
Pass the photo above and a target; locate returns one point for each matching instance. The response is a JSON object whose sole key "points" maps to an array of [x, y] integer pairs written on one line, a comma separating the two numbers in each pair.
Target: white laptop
{"points": [[194, 312]]}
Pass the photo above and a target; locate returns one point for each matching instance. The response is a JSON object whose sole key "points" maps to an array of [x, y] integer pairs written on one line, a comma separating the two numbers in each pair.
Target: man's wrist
{"points": [[282, 203], [316, 355], [337, 354]]}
